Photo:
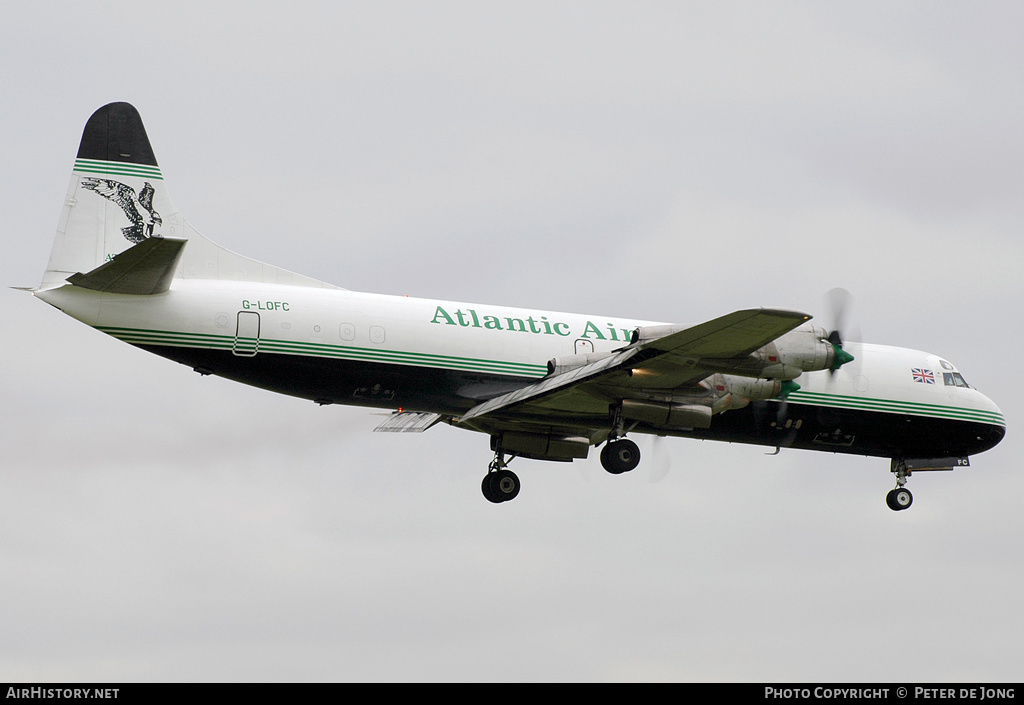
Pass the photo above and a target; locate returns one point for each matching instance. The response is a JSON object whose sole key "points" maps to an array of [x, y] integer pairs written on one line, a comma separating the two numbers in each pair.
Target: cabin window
{"points": [[954, 379]]}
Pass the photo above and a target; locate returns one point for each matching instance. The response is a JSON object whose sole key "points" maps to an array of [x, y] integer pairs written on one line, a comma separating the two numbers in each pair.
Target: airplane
{"points": [[543, 385]]}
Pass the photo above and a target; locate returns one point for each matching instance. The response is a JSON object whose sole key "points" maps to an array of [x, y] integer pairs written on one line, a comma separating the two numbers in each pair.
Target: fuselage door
{"points": [[584, 346], [247, 335]]}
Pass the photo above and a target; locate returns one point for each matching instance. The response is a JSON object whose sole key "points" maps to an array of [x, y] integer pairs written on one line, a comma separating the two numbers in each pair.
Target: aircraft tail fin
{"points": [[117, 201], [116, 197]]}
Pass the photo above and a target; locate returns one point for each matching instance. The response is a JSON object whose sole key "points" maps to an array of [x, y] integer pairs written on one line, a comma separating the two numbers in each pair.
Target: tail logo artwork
{"points": [[137, 207]]}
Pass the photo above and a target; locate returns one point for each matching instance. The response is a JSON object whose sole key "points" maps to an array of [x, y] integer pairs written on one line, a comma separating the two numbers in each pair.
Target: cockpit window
{"points": [[954, 379]]}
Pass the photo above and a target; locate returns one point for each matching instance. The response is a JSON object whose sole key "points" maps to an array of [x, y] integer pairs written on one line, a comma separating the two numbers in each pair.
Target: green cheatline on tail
{"points": [[96, 166]]}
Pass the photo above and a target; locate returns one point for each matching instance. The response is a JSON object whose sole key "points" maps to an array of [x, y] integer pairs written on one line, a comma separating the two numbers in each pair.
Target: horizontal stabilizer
{"points": [[145, 268], [409, 422]]}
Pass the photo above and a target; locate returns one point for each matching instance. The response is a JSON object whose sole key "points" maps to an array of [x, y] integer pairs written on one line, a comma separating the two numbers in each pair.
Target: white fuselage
{"points": [[486, 340], [125, 261]]}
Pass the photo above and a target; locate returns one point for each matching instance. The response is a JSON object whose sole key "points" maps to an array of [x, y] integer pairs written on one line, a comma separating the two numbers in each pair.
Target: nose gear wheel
{"points": [[899, 498]]}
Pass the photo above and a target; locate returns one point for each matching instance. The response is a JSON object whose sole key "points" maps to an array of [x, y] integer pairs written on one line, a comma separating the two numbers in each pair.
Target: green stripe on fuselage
{"points": [[897, 407], [137, 336]]}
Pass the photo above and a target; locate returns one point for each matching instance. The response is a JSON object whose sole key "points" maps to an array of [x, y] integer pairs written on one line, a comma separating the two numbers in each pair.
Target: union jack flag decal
{"points": [[923, 376]]}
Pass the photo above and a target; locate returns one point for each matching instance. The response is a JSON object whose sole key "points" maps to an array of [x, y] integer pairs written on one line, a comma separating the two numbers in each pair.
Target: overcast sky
{"points": [[656, 160]]}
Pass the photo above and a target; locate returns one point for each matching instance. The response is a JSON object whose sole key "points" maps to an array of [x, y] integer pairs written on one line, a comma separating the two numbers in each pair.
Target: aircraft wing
{"points": [[660, 358]]}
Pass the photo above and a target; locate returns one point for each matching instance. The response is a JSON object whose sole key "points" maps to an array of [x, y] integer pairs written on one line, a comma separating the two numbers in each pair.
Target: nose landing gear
{"points": [[899, 498]]}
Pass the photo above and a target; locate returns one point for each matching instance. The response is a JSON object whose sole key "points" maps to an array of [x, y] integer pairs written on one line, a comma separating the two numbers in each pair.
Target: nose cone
{"points": [[991, 437], [992, 426]]}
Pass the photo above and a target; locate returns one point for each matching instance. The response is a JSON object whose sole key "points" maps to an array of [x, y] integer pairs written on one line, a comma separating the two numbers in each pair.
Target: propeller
{"points": [[661, 461], [786, 435], [838, 301]]}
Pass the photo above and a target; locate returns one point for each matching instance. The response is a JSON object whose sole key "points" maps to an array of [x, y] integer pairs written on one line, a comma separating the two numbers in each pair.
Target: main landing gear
{"points": [[899, 498], [619, 456], [500, 484]]}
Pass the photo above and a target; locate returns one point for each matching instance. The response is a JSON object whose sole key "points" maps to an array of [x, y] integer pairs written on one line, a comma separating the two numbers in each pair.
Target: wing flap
{"points": [[552, 384], [408, 422]]}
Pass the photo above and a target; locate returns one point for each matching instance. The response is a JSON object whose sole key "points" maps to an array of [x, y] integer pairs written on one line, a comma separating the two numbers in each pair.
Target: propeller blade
{"points": [[661, 461], [838, 300]]}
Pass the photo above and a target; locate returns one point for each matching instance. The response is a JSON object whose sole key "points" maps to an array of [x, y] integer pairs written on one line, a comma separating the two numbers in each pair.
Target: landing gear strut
{"points": [[500, 484], [619, 454], [899, 498]]}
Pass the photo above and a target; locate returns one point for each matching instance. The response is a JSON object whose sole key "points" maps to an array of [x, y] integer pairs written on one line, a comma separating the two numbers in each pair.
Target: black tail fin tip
{"points": [[115, 133]]}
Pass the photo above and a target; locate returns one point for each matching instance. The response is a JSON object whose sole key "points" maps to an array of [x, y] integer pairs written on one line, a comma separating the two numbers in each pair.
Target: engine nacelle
{"points": [[803, 350], [646, 334], [714, 395], [740, 391], [667, 414], [542, 446], [744, 390], [558, 365]]}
